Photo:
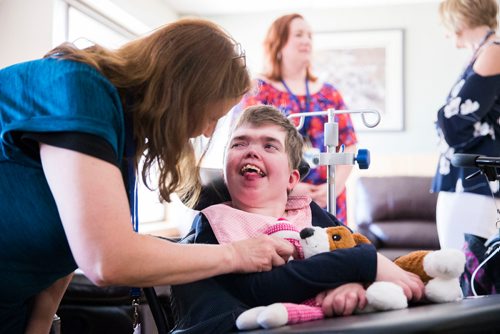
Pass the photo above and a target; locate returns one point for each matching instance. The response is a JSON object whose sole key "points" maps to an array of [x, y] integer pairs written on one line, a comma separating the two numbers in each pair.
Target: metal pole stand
{"points": [[332, 156]]}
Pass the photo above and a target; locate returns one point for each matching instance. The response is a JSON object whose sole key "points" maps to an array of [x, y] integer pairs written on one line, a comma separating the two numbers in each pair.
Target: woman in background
{"points": [[469, 123], [288, 83]]}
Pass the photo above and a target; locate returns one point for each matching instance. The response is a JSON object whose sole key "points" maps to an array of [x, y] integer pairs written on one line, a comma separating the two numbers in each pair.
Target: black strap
{"points": [[159, 315]]}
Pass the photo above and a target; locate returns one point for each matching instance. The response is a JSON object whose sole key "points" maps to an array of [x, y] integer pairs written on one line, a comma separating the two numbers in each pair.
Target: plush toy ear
{"points": [[360, 239]]}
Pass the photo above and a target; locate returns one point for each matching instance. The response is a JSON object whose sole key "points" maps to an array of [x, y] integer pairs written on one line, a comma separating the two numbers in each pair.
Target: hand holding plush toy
{"points": [[439, 270]]}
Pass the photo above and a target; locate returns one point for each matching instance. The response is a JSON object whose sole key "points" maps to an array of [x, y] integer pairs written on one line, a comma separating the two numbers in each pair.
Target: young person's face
{"points": [[299, 44], [257, 169]]}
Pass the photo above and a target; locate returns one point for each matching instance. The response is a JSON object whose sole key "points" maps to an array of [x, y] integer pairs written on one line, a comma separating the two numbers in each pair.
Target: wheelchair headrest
{"points": [[304, 169]]}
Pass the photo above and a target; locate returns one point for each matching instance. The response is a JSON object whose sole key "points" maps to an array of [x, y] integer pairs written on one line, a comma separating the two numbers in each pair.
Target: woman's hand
{"points": [[343, 300], [318, 194], [260, 254], [388, 271], [303, 188]]}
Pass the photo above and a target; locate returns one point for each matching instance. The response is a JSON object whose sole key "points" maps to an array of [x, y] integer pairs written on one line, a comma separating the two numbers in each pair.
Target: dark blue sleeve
{"points": [[302, 279], [201, 231], [77, 141], [463, 116]]}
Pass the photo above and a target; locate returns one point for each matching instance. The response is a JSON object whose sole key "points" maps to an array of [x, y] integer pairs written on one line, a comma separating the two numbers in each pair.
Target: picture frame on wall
{"points": [[367, 68]]}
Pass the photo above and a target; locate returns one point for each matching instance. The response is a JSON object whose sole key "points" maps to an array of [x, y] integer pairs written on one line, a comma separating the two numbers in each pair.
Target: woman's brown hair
{"points": [[167, 80], [275, 40]]}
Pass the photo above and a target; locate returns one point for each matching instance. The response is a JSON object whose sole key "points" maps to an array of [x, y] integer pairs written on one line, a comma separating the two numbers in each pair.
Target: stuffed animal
{"points": [[439, 270]]}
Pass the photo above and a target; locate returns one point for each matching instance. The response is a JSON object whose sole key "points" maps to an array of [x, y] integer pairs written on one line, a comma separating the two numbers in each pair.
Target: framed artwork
{"points": [[367, 68]]}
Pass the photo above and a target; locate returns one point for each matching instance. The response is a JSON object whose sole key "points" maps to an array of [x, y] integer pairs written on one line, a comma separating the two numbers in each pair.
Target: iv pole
{"points": [[331, 158]]}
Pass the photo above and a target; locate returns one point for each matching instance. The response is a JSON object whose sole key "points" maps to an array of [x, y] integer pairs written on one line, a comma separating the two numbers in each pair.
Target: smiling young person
{"points": [[261, 169]]}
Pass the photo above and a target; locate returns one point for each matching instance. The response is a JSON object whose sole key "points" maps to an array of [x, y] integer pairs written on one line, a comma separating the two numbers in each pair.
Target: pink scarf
{"points": [[230, 224]]}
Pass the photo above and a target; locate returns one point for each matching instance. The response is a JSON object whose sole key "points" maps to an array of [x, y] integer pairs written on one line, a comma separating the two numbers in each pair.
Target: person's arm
{"points": [[92, 203], [45, 306], [388, 271], [462, 118], [345, 299], [299, 279], [302, 279]]}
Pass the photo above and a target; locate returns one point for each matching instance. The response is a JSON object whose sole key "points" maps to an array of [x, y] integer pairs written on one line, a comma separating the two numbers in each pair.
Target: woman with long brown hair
{"points": [[73, 127]]}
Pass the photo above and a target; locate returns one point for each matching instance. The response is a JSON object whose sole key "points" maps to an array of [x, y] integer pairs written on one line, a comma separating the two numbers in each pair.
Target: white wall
{"points": [[154, 13], [25, 34]]}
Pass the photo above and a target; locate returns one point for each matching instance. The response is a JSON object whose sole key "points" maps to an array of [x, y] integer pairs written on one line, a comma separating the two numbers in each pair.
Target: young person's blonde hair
{"points": [[166, 80], [460, 14], [276, 39], [266, 114]]}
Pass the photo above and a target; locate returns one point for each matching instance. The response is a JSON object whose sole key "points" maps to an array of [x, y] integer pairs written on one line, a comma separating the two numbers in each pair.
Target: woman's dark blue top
{"points": [[469, 123], [46, 97]]}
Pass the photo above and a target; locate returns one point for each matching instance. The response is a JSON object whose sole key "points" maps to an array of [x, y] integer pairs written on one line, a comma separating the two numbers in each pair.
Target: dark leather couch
{"points": [[397, 213]]}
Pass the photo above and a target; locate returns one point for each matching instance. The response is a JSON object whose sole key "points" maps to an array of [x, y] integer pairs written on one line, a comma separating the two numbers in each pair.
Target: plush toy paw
{"points": [[444, 263], [274, 315], [443, 290], [248, 319], [383, 296]]}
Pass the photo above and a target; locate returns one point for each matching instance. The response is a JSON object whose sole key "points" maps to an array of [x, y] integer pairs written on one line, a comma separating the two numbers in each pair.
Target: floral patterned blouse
{"points": [[327, 97], [469, 123]]}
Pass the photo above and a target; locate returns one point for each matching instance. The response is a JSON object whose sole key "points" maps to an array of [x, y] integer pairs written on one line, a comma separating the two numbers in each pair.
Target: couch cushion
{"points": [[415, 234], [395, 198]]}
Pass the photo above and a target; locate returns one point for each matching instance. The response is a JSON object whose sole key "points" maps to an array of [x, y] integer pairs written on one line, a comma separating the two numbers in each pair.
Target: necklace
{"points": [[296, 99]]}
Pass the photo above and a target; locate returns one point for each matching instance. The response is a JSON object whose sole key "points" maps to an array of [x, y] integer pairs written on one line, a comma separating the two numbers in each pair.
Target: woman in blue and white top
{"points": [[469, 122]]}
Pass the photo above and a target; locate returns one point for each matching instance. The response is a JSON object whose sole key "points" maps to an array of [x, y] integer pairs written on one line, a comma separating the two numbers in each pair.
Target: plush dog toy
{"points": [[439, 270]]}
